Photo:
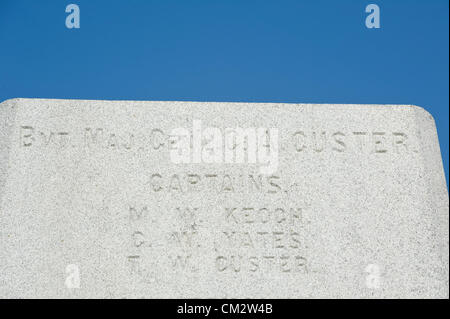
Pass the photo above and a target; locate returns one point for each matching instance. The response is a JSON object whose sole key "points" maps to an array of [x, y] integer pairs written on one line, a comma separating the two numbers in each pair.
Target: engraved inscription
{"points": [[155, 139], [378, 142], [216, 183], [252, 239]]}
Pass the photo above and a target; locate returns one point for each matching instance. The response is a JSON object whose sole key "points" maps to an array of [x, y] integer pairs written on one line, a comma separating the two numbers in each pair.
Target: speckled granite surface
{"points": [[343, 201]]}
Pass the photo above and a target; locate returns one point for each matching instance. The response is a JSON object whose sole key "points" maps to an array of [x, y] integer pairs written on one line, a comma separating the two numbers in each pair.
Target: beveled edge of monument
{"points": [[418, 108]]}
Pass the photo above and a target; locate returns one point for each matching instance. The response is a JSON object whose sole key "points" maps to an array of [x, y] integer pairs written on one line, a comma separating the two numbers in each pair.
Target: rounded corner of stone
{"points": [[11, 101], [422, 112]]}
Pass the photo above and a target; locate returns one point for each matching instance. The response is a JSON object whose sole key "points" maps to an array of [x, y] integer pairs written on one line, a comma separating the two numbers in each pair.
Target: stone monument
{"points": [[129, 199]]}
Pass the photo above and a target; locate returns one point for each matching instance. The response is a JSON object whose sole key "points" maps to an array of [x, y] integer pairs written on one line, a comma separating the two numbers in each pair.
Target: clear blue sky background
{"points": [[313, 51]]}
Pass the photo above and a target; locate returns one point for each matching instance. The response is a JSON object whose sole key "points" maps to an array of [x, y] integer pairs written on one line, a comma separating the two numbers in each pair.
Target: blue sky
{"points": [[313, 51]]}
